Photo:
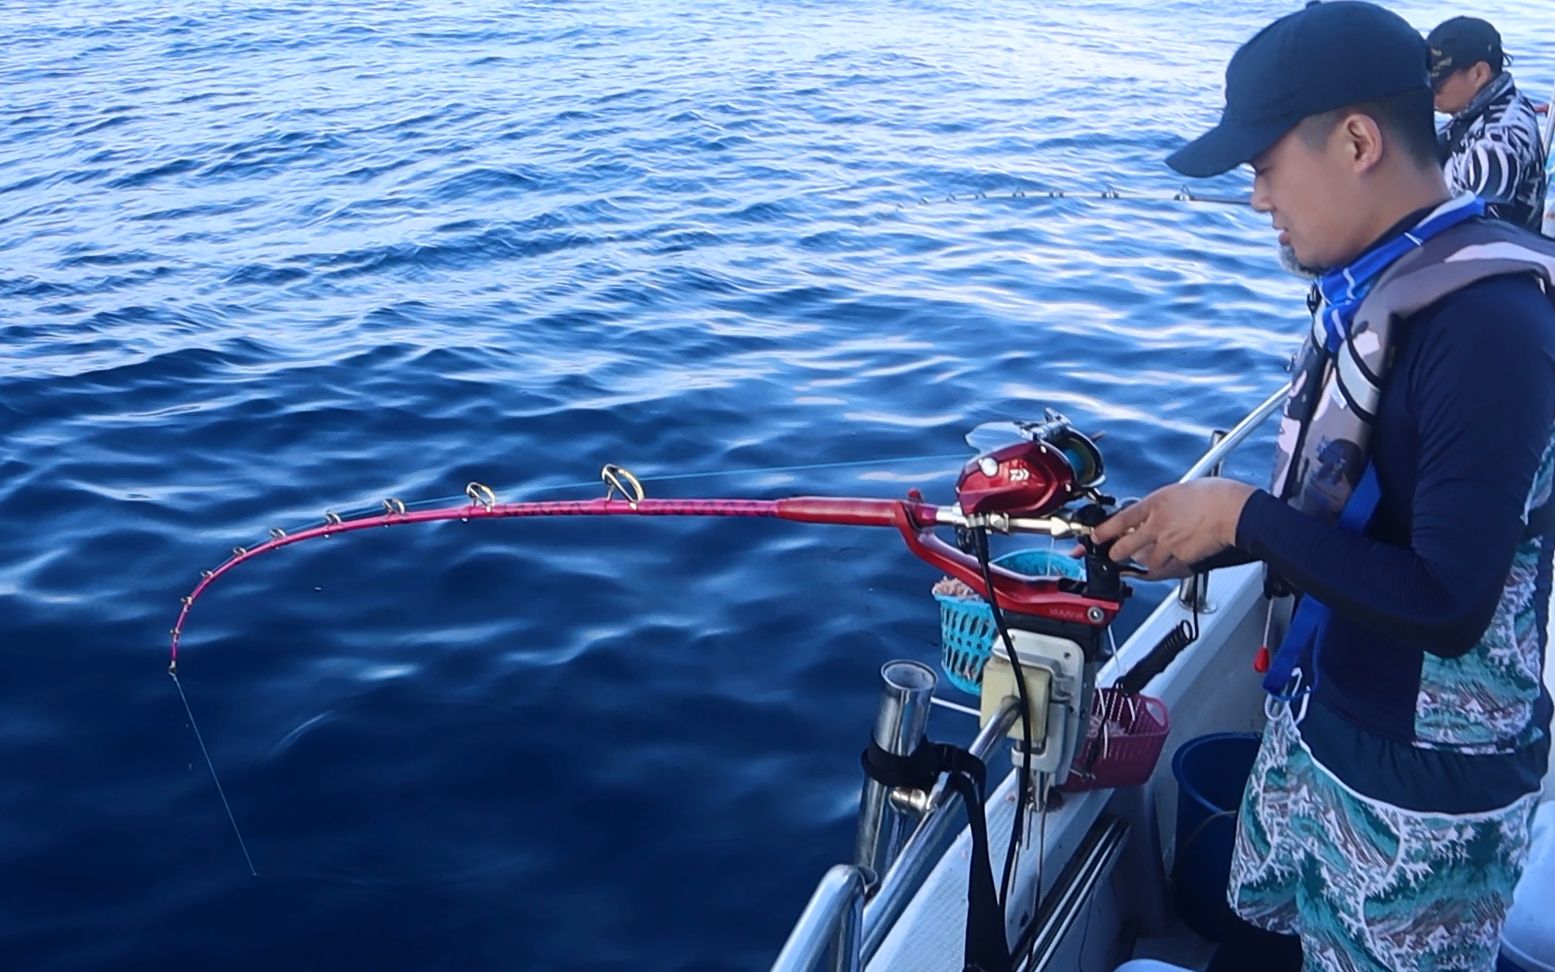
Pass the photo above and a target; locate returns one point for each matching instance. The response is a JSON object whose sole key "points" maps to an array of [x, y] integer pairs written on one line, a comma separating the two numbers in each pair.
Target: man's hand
{"points": [[1177, 526]]}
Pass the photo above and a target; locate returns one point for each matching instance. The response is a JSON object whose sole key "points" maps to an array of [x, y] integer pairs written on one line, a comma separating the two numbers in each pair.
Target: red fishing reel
{"points": [[1024, 487], [1035, 477]]}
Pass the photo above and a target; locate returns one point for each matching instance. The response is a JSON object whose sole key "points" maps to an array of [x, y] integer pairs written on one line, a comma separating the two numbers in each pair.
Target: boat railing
{"points": [[831, 923], [1225, 443], [851, 913], [1193, 592], [1549, 127]]}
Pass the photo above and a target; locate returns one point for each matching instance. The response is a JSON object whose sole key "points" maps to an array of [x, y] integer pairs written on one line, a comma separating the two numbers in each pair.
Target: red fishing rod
{"points": [[1024, 487], [1019, 488]]}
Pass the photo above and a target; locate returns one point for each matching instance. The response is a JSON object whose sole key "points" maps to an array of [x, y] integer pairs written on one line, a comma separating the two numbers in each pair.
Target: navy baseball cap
{"points": [[1322, 57]]}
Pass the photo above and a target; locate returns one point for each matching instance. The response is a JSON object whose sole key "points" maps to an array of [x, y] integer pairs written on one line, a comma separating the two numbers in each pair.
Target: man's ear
{"points": [[1361, 141]]}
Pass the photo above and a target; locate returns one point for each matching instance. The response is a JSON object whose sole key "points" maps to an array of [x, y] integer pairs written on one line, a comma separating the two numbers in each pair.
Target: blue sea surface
{"points": [[263, 259]]}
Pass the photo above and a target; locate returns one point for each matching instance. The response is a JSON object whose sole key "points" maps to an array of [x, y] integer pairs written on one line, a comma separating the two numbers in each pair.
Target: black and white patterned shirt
{"points": [[1494, 150]]}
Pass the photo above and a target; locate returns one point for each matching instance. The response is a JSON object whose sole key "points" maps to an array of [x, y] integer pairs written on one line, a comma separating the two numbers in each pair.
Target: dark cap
{"points": [[1461, 43], [1325, 56]]}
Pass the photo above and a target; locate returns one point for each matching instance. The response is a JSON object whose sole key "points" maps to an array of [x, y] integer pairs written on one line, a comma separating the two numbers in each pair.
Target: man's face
{"points": [[1313, 198], [1456, 90]]}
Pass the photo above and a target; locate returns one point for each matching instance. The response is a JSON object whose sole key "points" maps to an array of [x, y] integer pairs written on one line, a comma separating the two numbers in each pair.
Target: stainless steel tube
{"points": [[831, 920], [942, 822], [1239, 431], [905, 691]]}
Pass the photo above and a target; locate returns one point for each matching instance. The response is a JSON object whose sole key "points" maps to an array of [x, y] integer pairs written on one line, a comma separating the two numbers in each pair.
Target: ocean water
{"points": [[260, 260]]}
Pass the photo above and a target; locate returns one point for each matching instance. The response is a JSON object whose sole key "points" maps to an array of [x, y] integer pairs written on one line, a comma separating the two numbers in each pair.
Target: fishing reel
{"points": [[1053, 648], [1052, 466], [1045, 482]]}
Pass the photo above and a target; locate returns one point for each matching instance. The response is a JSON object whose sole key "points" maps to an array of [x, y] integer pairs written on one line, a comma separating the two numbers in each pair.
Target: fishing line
{"points": [[214, 777]]}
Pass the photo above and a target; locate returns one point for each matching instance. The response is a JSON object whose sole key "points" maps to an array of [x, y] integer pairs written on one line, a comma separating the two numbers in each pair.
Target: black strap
{"points": [[987, 950]]}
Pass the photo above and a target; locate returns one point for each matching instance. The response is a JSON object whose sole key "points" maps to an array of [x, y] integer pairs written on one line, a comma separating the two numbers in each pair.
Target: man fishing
{"points": [[1491, 146], [1386, 820]]}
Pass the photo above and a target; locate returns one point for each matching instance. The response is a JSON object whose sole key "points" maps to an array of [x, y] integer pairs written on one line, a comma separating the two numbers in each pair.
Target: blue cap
{"points": [[1323, 57]]}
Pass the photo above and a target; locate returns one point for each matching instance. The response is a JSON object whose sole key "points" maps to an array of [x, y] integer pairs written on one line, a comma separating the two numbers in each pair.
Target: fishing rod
{"points": [[1004, 429], [1022, 487], [1026, 194], [1106, 192], [1045, 483]]}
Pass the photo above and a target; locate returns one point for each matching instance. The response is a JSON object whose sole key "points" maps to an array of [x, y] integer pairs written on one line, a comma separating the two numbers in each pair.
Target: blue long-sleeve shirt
{"points": [[1439, 607]]}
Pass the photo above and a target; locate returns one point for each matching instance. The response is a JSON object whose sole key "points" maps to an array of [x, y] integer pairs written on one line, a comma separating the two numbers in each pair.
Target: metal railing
{"points": [[831, 922], [1240, 431], [1193, 592], [1549, 127]]}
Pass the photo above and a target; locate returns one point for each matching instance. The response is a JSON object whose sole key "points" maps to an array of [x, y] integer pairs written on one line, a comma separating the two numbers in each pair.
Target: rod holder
{"points": [[906, 688]]}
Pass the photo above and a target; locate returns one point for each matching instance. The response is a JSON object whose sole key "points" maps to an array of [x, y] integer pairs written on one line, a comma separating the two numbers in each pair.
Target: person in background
{"points": [[1492, 146]]}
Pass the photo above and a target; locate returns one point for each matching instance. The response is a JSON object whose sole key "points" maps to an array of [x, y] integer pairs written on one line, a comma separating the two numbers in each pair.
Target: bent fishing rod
{"points": [[1024, 487], [1047, 482]]}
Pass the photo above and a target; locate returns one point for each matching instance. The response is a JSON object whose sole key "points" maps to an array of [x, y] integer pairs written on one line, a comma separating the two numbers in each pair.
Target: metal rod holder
{"points": [[907, 873], [907, 686], [830, 922]]}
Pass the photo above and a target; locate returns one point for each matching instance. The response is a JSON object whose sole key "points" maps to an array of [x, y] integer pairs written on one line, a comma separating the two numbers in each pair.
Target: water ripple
{"points": [[269, 258]]}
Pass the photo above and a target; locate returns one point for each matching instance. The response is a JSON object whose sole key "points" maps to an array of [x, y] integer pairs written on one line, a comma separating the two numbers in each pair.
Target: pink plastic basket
{"points": [[1127, 733]]}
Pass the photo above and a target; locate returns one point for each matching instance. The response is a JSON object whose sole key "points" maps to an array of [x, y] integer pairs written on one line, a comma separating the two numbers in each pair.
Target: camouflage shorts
{"points": [[1369, 886]]}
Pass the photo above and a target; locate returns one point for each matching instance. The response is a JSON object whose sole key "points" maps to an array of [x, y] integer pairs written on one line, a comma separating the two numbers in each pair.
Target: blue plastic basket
{"points": [[966, 625]]}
